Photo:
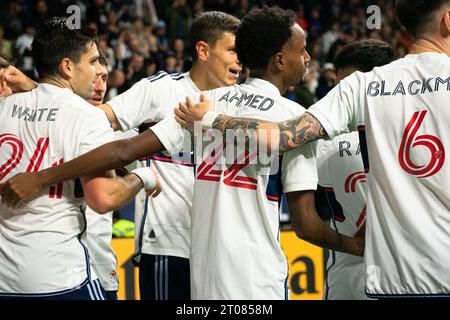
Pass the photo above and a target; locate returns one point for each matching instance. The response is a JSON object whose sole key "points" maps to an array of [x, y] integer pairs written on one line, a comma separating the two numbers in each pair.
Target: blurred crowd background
{"points": [[141, 37]]}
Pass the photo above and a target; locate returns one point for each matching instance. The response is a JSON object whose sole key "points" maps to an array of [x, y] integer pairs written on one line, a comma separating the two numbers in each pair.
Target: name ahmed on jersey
{"points": [[251, 100]]}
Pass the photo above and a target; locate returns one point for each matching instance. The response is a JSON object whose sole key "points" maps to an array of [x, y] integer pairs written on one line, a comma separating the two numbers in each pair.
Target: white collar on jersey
{"points": [[187, 75], [49, 87], [263, 86]]}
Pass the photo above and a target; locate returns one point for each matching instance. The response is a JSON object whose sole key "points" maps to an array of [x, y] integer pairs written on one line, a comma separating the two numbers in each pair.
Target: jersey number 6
{"points": [[411, 140]]}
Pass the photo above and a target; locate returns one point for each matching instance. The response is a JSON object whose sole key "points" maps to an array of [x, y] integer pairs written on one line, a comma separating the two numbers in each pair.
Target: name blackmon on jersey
{"points": [[414, 87]]}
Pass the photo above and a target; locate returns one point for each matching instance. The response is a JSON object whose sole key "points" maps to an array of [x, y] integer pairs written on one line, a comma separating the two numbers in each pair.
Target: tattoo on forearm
{"points": [[293, 133], [297, 132], [223, 122], [246, 126]]}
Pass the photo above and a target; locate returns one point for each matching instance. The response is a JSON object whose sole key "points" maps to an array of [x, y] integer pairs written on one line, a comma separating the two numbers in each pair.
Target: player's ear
{"points": [[202, 49], [66, 68], [278, 61], [446, 22]]}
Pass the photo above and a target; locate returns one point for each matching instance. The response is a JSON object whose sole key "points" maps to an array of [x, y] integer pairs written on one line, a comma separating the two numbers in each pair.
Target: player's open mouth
{"points": [[95, 101], [235, 72]]}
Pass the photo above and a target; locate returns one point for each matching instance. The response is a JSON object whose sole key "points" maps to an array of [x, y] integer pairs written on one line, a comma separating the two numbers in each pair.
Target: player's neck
{"points": [[270, 77], [430, 44], [56, 82], [199, 77]]}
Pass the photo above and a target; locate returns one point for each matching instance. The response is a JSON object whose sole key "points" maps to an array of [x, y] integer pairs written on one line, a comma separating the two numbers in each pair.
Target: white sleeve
{"points": [[146, 101], [95, 131], [299, 170], [342, 109], [171, 135], [323, 155]]}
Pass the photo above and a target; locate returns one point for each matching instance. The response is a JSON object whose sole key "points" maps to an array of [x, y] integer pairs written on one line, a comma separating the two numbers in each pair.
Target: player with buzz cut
{"points": [[163, 232], [41, 255], [342, 175], [403, 110]]}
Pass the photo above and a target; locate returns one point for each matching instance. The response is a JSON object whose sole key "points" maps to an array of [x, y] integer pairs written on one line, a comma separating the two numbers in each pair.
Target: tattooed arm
{"points": [[286, 135]]}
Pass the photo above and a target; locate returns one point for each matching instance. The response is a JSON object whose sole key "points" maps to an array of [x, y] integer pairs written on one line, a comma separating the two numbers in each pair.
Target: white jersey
{"points": [[98, 235], [341, 174], [167, 220], [40, 249], [235, 249], [404, 106]]}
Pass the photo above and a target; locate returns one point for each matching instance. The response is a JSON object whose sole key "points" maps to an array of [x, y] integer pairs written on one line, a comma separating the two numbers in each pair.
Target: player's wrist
{"points": [[46, 178], [208, 119], [146, 176]]}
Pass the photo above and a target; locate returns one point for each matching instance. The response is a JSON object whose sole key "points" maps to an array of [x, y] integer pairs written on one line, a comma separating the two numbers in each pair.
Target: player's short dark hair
{"points": [[261, 34], [54, 41], [210, 27], [417, 15], [364, 55]]}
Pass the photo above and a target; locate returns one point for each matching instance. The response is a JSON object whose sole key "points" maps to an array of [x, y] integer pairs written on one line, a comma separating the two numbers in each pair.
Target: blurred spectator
{"points": [[11, 19], [239, 8], [183, 60], [146, 10], [301, 20], [24, 41], [97, 12], [122, 49], [330, 37], [40, 13], [134, 70], [115, 81], [161, 37], [335, 47], [141, 37], [112, 24], [150, 67], [305, 92], [108, 52], [180, 18], [6, 46], [171, 64], [326, 80], [198, 7], [315, 23]]}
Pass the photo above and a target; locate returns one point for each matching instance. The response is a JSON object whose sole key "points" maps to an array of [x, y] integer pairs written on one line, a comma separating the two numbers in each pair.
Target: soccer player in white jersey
{"points": [[163, 231], [403, 108], [98, 232], [235, 249], [163, 235], [41, 254], [342, 175]]}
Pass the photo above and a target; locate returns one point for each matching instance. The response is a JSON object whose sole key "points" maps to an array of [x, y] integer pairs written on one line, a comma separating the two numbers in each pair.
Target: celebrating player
{"points": [[41, 255]]}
